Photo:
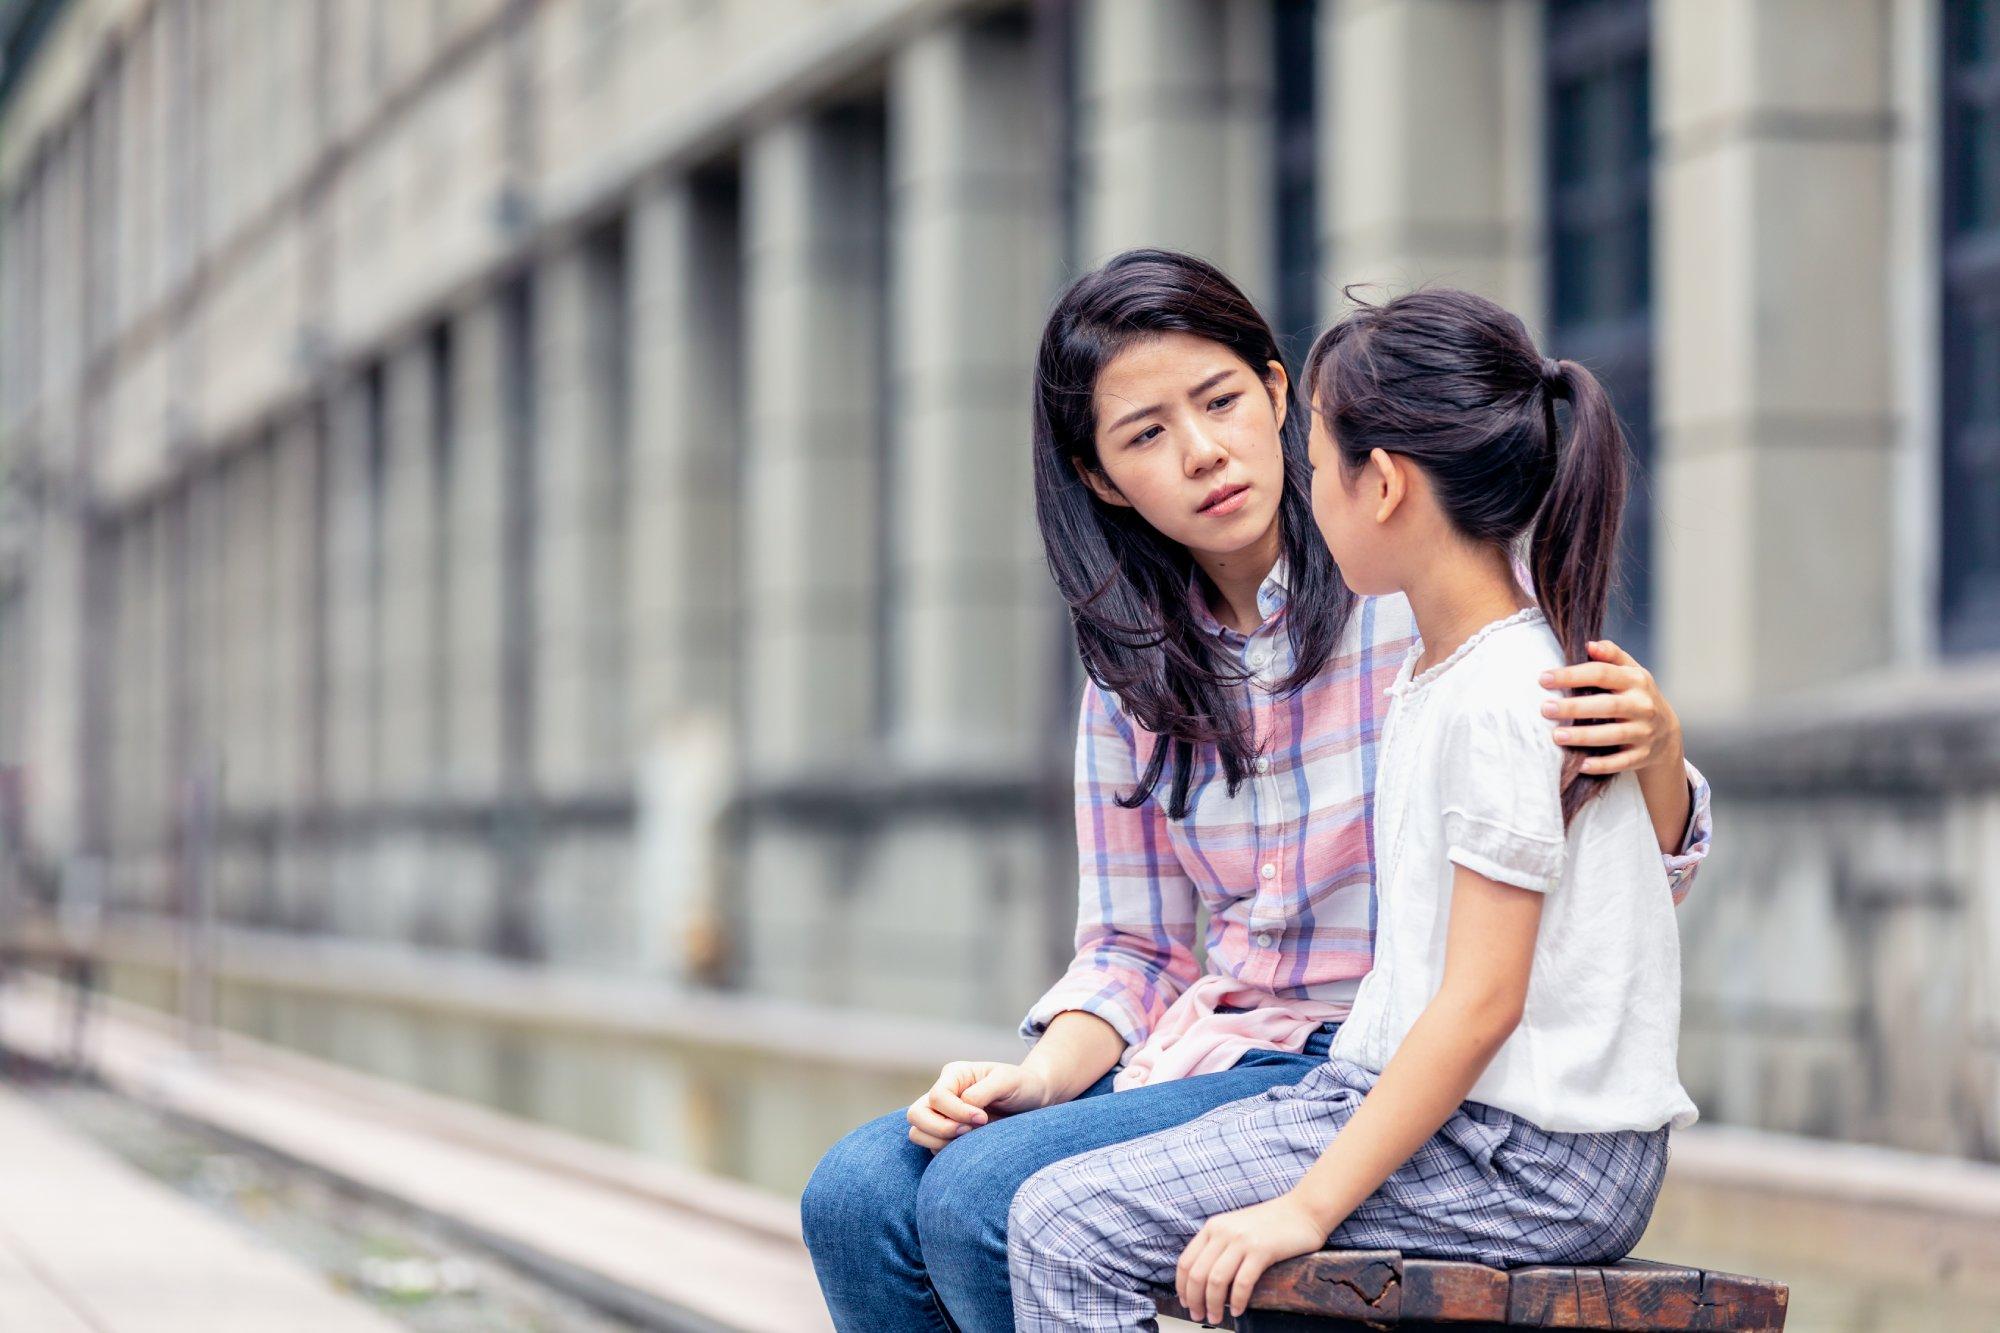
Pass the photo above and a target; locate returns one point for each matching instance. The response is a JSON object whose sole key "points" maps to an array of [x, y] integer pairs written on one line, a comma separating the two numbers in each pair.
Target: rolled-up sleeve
{"points": [[1683, 864], [1135, 928]]}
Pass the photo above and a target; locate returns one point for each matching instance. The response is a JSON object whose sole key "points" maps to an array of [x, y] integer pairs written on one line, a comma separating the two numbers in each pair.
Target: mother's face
{"points": [[1187, 435]]}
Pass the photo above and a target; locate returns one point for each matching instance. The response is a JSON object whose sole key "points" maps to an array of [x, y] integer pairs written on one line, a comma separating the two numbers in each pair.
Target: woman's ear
{"points": [[1100, 485], [1388, 475], [1279, 386]]}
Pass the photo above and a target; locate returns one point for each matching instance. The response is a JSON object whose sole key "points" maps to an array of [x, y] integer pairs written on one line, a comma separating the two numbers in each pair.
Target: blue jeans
{"points": [[904, 1242]]}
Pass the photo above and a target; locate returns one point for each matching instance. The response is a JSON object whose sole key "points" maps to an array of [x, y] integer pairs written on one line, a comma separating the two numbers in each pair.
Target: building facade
{"points": [[550, 477]]}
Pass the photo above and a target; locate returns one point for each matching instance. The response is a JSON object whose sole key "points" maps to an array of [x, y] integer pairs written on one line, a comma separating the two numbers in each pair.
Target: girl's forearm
{"points": [[1077, 1049], [1447, 1049]]}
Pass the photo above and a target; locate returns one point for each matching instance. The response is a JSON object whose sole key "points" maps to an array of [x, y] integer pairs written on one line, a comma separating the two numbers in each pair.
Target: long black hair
{"points": [[1125, 583], [1454, 383]]}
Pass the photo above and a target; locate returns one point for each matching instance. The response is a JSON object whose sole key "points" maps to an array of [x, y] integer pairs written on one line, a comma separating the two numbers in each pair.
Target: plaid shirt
{"points": [[1285, 868]]}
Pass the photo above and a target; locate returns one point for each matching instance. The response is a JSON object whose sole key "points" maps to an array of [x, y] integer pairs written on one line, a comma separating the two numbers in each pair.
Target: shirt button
{"points": [[1263, 763], [1269, 871], [1264, 939]]}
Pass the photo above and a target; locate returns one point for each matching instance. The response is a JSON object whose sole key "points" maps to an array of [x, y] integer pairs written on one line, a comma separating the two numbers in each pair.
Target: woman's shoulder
{"points": [[1382, 620]]}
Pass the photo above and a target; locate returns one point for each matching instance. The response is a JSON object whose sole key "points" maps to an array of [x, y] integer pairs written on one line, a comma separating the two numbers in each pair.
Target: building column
{"points": [[409, 620], [1774, 399], [158, 775], [578, 672], [295, 780], [405, 776], [475, 514], [684, 239], [1173, 133], [1430, 134], [466, 875], [812, 438], [53, 743], [975, 623], [351, 650], [583, 741], [973, 233], [811, 539], [686, 433], [242, 722]]}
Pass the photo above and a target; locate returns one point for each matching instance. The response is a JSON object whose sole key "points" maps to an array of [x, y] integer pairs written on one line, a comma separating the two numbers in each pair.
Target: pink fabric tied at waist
{"points": [[1192, 1038]]}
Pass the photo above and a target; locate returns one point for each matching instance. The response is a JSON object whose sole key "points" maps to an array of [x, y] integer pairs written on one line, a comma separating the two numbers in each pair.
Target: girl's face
{"points": [[1353, 511], [1187, 435]]}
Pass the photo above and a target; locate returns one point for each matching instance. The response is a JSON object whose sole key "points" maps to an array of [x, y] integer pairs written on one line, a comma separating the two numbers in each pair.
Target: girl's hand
{"points": [[1636, 717], [967, 1094], [1221, 1265]]}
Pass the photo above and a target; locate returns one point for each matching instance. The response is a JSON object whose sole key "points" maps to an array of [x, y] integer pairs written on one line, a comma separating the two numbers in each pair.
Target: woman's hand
{"points": [[1637, 719], [966, 1095], [1631, 715], [1221, 1265]]}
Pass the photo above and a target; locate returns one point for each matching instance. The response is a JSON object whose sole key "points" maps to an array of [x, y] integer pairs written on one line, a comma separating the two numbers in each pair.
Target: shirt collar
{"points": [[1272, 595]]}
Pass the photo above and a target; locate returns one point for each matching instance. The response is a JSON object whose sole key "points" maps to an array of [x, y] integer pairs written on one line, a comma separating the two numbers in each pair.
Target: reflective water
{"points": [[767, 1121], [762, 1120]]}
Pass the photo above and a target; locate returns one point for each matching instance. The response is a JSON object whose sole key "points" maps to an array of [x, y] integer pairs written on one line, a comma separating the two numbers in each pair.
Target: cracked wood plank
{"points": [[1361, 1289]]}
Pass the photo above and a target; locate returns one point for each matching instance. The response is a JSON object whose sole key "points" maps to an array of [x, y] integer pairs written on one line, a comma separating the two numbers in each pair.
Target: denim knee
{"points": [[962, 1199], [864, 1181]]}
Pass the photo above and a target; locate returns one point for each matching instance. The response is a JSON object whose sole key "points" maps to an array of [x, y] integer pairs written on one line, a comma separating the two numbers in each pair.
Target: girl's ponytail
{"points": [[1454, 383], [1573, 551]]}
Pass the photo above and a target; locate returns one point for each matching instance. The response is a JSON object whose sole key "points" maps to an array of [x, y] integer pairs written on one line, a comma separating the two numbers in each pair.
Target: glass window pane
{"points": [[1976, 167], [1976, 36], [1599, 99]]}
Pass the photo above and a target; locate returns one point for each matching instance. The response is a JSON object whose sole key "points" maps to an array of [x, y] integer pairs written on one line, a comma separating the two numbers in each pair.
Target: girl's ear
{"points": [[1279, 385], [1389, 478], [1100, 485]]}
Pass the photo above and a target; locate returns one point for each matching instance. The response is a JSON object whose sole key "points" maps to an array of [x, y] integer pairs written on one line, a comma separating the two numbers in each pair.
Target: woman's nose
{"points": [[1203, 453]]}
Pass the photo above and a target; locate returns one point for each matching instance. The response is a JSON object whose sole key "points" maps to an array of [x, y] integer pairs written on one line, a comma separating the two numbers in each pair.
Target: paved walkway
{"points": [[90, 1245], [660, 1245]]}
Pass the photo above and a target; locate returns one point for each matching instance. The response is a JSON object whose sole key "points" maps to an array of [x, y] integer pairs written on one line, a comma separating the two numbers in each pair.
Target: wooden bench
{"points": [[1380, 1289]]}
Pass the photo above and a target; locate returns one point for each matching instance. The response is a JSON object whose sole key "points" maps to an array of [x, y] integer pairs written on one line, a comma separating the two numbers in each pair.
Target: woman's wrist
{"points": [[1670, 754], [1073, 1053], [1035, 1086], [1663, 780]]}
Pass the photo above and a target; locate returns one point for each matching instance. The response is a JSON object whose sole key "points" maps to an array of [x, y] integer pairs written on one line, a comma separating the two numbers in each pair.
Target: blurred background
{"points": [[517, 562]]}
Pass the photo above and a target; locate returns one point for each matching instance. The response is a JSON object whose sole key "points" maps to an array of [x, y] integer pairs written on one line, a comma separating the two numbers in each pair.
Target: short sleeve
{"points": [[1500, 780]]}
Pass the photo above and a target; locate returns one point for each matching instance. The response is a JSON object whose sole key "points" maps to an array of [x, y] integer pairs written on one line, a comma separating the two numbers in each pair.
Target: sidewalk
{"points": [[657, 1245], [89, 1245]]}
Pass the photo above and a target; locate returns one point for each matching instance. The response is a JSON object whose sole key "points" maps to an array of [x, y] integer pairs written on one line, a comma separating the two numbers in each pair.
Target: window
{"points": [[1969, 572], [1599, 107], [1296, 309]]}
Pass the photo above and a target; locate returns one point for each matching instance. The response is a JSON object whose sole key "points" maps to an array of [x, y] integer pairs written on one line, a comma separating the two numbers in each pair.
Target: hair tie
{"points": [[1552, 378]]}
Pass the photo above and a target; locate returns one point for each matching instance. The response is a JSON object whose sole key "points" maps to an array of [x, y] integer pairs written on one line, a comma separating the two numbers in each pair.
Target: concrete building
{"points": [[553, 474]]}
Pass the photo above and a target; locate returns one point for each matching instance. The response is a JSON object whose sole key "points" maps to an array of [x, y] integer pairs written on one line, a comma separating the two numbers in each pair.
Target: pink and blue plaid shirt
{"points": [[1285, 868]]}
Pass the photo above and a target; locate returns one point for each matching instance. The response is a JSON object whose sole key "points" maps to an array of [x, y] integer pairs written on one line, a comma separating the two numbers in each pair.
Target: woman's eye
{"points": [[1223, 401], [1145, 435]]}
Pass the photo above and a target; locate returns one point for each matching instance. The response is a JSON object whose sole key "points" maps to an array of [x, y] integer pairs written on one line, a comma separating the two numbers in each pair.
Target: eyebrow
{"points": [[1196, 392]]}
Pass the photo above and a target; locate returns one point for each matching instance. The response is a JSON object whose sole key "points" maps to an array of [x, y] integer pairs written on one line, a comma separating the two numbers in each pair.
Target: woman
{"points": [[1225, 756]]}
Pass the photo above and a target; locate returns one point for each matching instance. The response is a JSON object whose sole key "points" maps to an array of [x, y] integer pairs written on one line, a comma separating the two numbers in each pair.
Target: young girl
{"points": [[1503, 1086], [1226, 760]]}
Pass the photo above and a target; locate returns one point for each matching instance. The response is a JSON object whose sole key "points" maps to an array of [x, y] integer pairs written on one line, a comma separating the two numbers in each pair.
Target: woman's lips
{"points": [[1230, 502]]}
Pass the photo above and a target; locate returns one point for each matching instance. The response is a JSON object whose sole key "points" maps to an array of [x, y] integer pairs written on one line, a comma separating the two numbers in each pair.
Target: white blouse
{"points": [[1470, 776]]}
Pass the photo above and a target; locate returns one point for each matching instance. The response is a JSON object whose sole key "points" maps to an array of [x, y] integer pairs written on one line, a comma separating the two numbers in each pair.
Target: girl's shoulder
{"points": [[1501, 676]]}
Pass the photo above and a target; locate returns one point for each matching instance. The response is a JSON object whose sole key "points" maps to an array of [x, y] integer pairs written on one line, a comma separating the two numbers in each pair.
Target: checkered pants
{"points": [[1091, 1238]]}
